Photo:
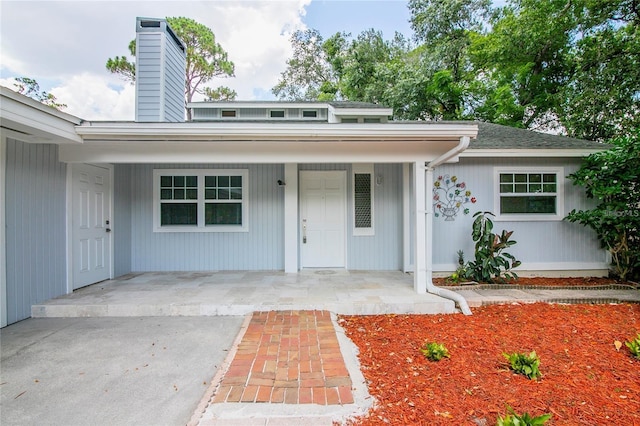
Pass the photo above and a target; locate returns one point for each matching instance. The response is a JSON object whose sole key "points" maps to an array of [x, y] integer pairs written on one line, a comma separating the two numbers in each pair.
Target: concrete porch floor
{"points": [[241, 293]]}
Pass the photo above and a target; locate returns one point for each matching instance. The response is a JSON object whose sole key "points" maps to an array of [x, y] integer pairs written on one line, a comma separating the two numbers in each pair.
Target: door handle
{"points": [[304, 231], [108, 230]]}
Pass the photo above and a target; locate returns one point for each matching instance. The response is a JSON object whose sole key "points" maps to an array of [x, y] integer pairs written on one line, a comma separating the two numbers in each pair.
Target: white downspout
{"points": [[432, 288]]}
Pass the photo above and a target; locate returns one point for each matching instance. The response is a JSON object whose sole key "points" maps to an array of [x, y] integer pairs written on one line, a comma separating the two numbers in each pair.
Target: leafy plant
{"points": [[491, 259], [527, 365], [634, 346], [434, 351], [612, 177], [461, 271], [525, 419]]}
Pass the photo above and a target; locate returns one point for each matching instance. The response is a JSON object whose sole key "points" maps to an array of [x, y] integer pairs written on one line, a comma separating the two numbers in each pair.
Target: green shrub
{"points": [[634, 346], [491, 260], [525, 419], [527, 365], [434, 351]]}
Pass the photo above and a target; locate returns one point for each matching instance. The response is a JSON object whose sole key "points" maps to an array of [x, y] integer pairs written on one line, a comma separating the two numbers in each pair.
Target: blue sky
{"points": [[64, 44]]}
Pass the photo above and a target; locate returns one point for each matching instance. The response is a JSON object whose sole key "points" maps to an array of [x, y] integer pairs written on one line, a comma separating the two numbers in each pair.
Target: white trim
{"points": [[259, 105], [540, 266], [69, 225], [200, 174], [4, 317], [526, 217], [251, 131], [420, 228], [291, 260], [407, 266], [529, 153], [34, 122], [366, 168]]}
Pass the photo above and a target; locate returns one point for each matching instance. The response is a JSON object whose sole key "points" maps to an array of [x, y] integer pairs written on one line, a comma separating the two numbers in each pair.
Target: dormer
{"points": [[358, 112], [249, 111], [258, 111]]}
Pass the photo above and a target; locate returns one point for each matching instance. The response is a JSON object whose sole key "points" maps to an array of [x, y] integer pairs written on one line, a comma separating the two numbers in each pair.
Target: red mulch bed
{"points": [[585, 379]]}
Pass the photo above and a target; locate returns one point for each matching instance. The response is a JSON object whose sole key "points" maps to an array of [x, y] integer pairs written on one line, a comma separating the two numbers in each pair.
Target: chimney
{"points": [[160, 72]]}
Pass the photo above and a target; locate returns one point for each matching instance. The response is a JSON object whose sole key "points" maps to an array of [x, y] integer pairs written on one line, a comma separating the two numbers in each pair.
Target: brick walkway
{"points": [[289, 357]]}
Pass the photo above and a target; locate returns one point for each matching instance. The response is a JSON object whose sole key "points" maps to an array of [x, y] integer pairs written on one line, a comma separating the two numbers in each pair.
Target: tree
{"points": [[30, 87], [206, 58], [612, 178], [222, 93], [603, 98], [524, 61], [308, 76]]}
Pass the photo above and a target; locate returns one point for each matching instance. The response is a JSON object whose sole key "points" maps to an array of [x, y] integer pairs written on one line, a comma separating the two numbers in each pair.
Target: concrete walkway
{"points": [[110, 371], [187, 348], [241, 293]]}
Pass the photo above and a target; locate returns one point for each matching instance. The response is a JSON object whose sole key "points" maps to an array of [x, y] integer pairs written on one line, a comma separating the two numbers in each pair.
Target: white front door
{"points": [[91, 224], [323, 218]]}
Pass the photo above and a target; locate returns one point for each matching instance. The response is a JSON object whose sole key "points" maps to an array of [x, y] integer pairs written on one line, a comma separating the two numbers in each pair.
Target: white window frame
{"points": [[200, 174], [363, 169], [284, 114], [559, 194]]}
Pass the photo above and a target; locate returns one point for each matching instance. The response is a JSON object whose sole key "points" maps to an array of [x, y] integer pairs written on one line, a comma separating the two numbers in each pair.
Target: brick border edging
{"points": [[204, 403], [565, 301], [538, 287]]}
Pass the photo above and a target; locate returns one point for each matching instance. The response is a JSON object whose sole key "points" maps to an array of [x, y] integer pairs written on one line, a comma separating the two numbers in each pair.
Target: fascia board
{"points": [[339, 112], [38, 122], [286, 131], [528, 153]]}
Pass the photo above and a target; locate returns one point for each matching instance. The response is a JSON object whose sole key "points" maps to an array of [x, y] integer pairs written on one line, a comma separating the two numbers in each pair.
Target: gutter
{"points": [[431, 287]]}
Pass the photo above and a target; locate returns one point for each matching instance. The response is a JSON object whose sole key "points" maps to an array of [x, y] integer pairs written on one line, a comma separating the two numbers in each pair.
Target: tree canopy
{"points": [[568, 66], [30, 87], [206, 59]]}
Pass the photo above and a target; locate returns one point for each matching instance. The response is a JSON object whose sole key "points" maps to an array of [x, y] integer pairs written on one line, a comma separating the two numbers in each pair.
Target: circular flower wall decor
{"points": [[450, 196]]}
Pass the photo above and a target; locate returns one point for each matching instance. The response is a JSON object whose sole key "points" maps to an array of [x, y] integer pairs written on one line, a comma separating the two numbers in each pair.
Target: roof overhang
{"points": [[529, 153], [30, 121], [211, 142]]}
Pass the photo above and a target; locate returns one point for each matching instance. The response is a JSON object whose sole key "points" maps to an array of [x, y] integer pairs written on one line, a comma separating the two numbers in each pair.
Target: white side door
{"points": [[323, 219], [91, 224]]}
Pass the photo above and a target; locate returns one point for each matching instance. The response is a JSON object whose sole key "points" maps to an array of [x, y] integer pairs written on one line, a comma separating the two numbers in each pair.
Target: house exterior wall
{"points": [[541, 245], [261, 248], [35, 219]]}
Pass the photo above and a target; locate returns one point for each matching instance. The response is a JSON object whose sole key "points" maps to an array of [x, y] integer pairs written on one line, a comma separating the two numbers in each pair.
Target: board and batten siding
{"points": [[383, 250], [35, 219], [261, 248], [555, 244]]}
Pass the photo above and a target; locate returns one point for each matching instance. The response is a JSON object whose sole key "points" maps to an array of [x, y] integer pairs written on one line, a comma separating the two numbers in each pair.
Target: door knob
{"points": [[108, 230]]}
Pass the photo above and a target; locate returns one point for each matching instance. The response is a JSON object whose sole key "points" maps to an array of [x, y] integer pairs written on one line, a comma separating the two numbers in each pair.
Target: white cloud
{"points": [[67, 55], [91, 97]]}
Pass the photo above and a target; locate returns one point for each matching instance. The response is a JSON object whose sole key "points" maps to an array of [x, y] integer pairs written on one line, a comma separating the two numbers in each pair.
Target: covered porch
{"points": [[240, 293]]}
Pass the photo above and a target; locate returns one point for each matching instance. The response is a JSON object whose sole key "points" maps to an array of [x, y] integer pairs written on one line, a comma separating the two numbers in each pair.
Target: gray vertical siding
{"points": [[35, 226], [160, 76], [122, 219], [383, 250], [546, 242], [261, 248]]}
